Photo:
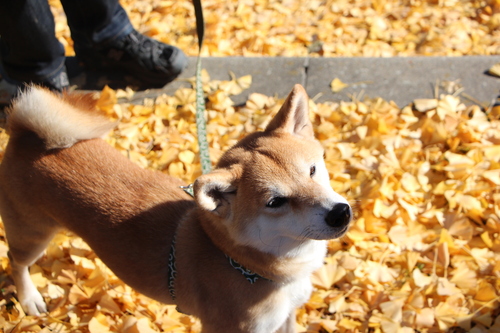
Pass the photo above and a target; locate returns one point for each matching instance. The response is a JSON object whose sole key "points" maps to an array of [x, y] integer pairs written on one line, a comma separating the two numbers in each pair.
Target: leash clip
{"points": [[189, 189]]}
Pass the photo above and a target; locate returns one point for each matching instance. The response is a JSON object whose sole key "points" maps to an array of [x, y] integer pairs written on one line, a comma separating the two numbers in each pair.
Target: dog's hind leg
{"points": [[28, 234]]}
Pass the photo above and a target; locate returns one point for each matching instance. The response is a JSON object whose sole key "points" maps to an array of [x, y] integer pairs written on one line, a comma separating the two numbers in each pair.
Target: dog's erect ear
{"points": [[212, 191], [293, 117]]}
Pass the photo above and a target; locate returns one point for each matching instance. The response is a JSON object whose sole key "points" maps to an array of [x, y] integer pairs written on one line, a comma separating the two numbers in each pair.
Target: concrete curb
{"points": [[400, 79]]}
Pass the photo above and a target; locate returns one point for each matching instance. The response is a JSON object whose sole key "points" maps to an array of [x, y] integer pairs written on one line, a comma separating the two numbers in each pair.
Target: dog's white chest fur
{"points": [[276, 309], [293, 294]]}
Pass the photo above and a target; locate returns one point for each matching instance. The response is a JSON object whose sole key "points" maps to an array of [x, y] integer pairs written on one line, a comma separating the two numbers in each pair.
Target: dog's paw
{"points": [[32, 302]]}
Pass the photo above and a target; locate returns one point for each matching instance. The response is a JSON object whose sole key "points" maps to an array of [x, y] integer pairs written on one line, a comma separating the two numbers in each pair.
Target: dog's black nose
{"points": [[339, 216]]}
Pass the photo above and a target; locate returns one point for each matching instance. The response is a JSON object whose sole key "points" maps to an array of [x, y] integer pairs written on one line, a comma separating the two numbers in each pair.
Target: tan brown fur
{"points": [[50, 180], [29, 113]]}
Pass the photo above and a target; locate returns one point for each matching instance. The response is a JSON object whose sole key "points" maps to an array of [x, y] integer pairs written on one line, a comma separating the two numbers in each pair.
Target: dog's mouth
{"points": [[343, 230], [335, 224], [328, 233]]}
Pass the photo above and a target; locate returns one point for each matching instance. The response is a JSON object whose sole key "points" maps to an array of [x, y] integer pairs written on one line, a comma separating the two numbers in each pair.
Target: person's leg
{"points": [[96, 22], [29, 50], [104, 39]]}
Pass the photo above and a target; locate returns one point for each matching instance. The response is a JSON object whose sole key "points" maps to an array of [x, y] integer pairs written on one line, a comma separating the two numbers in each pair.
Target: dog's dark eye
{"points": [[312, 171], [276, 202]]}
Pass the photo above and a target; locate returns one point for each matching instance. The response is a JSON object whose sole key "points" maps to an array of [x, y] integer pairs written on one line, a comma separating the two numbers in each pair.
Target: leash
{"points": [[201, 129], [201, 122], [206, 165]]}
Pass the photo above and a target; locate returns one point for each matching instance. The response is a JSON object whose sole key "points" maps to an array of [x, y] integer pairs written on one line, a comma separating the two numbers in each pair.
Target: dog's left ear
{"points": [[293, 117], [212, 191]]}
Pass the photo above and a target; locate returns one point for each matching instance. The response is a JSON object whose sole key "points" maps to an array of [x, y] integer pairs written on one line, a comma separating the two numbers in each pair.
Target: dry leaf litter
{"points": [[423, 254], [318, 28]]}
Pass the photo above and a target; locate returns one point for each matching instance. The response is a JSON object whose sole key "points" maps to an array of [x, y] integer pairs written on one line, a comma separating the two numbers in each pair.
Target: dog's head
{"points": [[271, 191]]}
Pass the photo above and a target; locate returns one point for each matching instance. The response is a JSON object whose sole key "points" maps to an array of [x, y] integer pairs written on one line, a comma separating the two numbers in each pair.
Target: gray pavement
{"points": [[400, 79]]}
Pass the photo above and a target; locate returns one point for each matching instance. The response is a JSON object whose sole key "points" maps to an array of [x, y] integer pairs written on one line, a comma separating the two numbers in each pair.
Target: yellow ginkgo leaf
{"points": [[337, 85], [327, 275], [494, 70], [107, 100], [485, 292], [187, 156], [99, 323]]}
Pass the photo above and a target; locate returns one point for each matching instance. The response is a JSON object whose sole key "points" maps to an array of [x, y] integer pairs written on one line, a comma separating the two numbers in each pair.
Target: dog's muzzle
{"points": [[339, 216]]}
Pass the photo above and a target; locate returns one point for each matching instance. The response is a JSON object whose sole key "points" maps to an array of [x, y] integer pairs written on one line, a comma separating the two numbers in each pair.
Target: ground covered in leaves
{"points": [[423, 254], [318, 28]]}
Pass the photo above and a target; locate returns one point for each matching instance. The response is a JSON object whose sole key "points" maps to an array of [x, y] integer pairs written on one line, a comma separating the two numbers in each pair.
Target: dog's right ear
{"points": [[212, 191], [293, 117]]}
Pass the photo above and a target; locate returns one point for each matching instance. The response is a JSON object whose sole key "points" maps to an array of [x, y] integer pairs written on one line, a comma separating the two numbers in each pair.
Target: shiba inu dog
{"points": [[238, 256]]}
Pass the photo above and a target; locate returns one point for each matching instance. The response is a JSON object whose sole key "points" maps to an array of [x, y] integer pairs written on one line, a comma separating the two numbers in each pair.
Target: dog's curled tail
{"points": [[59, 121]]}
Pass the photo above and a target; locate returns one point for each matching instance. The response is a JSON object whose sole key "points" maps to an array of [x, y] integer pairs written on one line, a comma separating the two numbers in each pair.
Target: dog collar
{"points": [[248, 274], [172, 270], [251, 276]]}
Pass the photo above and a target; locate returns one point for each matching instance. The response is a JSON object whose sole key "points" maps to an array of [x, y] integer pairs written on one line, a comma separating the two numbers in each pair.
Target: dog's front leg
{"points": [[289, 324], [30, 298]]}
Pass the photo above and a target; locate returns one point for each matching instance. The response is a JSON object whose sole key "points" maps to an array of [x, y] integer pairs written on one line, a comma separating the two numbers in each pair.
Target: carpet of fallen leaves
{"points": [[318, 28], [423, 254]]}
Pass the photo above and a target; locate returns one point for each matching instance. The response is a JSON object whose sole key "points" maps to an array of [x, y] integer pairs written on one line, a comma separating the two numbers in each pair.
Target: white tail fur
{"points": [[57, 122]]}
